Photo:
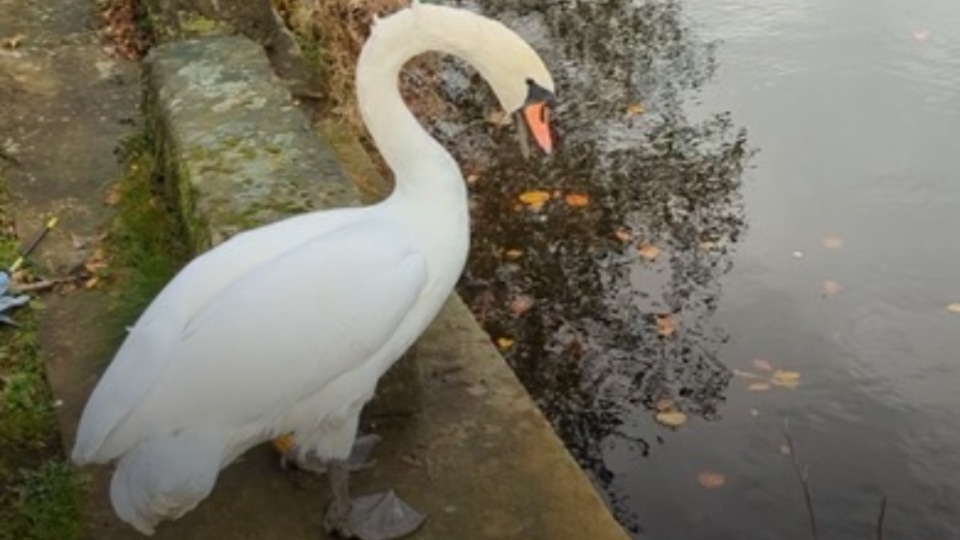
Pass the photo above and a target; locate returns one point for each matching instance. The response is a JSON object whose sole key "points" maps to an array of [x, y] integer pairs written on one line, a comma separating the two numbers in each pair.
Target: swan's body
{"points": [[287, 328]]}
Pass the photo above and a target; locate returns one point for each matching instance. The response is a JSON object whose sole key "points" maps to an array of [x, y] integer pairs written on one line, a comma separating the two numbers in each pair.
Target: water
{"points": [[846, 173]]}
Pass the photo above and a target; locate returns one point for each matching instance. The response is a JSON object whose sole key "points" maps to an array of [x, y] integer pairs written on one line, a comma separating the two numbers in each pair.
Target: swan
{"points": [[284, 330]]}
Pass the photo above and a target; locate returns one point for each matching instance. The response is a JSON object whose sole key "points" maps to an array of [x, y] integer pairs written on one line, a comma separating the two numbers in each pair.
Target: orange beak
{"points": [[537, 115]]}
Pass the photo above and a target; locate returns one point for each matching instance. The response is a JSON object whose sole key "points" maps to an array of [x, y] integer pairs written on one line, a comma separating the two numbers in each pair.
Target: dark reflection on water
{"points": [[589, 349]]}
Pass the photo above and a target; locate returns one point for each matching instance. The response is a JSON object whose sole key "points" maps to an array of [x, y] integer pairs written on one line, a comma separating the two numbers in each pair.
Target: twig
{"points": [[802, 477], [883, 513]]}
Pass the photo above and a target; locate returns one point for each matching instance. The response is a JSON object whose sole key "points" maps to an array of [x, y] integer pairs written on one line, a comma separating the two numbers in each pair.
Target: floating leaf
{"points": [[831, 287], [664, 405], [634, 109], [762, 364], [759, 387], [577, 200], [832, 242], [622, 235], [798, 254], [754, 413], [648, 251], [921, 35], [746, 374], [786, 379], [671, 418], [666, 324], [711, 480], [521, 304], [504, 343], [513, 253], [785, 449], [472, 179], [954, 307], [535, 199]]}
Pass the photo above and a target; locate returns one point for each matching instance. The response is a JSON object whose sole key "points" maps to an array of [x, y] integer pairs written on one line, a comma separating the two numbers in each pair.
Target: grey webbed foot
{"points": [[382, 516]]}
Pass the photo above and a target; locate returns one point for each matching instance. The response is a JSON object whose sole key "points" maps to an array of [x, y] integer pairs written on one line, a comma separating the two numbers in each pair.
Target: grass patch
{"points": [[146, 246], [40, 495]]}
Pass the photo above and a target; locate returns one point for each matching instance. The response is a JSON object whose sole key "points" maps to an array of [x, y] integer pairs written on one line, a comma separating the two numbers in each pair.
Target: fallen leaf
{"points": [[711, 480], [521, 304], [535, 199], [664, 405], [648, 251], [786, 379], [622, 235], [472, 179], [634, 109], [759, 387], [762, 364], [577, 200], [671, 418], [666, 324], [514, 253], [954, 307], [91, 283], [14, 42], [504, 343], [831, 287], [832, 242], [746, 374]]}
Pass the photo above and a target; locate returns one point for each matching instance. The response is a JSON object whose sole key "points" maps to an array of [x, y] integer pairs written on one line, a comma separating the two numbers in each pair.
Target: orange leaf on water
{"points": [[535, 199], [666, 324], [622, 235], [504, 343], [648, 251], [711, 480], [634, 109], [577, 200]]}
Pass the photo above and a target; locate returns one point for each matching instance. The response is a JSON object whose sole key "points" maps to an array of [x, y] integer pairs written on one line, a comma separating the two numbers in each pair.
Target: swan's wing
{"points": [[274, 336]]}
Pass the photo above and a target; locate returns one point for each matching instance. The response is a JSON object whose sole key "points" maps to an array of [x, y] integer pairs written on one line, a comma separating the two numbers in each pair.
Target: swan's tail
{"points": [[164, 477]]}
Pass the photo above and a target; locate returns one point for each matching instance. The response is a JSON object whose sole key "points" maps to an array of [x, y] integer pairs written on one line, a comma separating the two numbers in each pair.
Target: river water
{"points": [[794, 165]]}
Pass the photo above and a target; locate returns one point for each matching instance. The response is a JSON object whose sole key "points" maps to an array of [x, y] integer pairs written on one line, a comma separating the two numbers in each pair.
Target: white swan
{"points": [[287, 328]]}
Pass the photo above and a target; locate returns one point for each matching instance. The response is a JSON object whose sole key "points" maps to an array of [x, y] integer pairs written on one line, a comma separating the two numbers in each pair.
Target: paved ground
{"points": [[480, 460]]}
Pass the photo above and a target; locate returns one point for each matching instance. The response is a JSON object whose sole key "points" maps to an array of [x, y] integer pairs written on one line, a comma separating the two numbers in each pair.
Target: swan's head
{"points": [[520, 80]]}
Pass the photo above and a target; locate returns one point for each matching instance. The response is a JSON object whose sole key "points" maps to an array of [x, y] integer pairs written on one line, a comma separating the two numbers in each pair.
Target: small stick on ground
{"points": [[883, 513], [802, 477]]}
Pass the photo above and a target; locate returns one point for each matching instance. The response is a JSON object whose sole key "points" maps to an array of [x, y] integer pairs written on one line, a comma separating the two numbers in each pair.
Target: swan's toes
{"points": [[381, 516]]}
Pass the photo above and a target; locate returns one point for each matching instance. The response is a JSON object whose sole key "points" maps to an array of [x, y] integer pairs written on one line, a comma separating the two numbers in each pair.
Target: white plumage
{"points": [[288, 327]]}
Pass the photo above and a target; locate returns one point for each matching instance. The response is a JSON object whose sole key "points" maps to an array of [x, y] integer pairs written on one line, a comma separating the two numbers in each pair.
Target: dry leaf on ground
{"points": [[671, 418], [711, 480]]}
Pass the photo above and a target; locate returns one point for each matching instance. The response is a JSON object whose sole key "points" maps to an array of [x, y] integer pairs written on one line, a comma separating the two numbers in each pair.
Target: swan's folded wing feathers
{"points": [[277, 334]]}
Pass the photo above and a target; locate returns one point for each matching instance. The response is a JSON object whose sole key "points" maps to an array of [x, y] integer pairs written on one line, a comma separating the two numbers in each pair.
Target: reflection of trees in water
{"points": [[589, 351]]}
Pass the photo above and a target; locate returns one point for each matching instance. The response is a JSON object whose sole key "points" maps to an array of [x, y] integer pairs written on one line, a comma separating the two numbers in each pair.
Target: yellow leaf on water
{"points": [[504, 343], [513, 253], [671, 418], [954, 307], [634, 109], [535, 199], [711, 480], [786, 379], [759, 387], [762, 364], [577, 200], [648, 251]]}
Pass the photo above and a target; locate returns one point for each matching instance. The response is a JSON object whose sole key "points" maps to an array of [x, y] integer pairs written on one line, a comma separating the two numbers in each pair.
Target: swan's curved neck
{"points": [[421, 165]]}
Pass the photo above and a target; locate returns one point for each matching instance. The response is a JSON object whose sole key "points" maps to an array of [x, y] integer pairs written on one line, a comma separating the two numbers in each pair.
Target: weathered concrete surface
{"points": [[240, 154]]}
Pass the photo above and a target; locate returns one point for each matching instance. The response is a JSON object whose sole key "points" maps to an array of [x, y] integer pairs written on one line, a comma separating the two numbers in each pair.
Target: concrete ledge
{"points": [[480, 459]]}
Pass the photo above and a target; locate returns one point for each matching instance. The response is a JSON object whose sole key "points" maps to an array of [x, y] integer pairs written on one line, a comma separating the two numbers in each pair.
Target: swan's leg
{"points": [[382, 516], [359, 455]]}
